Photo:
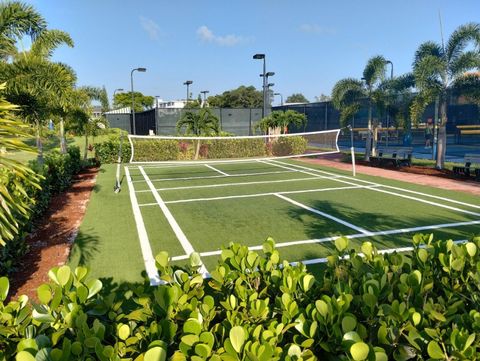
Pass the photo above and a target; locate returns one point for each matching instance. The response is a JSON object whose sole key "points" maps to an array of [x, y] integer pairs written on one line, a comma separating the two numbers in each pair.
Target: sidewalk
{"points": [[431, 181]]}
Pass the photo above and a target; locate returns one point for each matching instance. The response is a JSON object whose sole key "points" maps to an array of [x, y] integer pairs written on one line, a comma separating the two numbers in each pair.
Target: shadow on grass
{"points": [[84, 248]]}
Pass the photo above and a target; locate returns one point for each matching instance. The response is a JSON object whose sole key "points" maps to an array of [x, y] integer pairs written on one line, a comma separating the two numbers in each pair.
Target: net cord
{"points": [[217, 161]]}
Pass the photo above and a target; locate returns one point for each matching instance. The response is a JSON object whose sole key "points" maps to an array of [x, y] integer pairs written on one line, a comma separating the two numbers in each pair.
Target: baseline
{"points": [[216, 170], [218, 176]]}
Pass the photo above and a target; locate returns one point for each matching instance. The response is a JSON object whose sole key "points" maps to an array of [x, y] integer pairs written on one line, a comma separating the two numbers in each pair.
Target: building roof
{"points": [[125, 110]]}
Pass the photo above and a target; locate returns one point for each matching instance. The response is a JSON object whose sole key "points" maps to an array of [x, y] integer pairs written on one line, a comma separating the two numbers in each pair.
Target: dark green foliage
{"points": [[296, 98], [242, 97], [56, 175], [107, 151], [289, 146], [421, 305], [159, 149], [142, 102]]}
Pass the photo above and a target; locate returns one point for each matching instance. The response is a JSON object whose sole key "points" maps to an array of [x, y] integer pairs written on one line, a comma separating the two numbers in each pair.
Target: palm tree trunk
{"points": [[442, 135], [368, 145], [63, 144], [197, 150], [39, 142]]}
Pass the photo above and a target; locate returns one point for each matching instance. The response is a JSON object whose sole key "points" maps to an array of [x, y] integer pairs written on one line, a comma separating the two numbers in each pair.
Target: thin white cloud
{"points": [[150, 27], [317, 29], [207, 35]]}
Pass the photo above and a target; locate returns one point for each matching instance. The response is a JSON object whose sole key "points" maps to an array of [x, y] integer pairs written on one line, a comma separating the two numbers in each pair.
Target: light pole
{"points": [[157, 97], [281, 97], [388, 114], [204, 92], [264, 86], [188, 83], [142, 70], [269, 92], [115, 92]]}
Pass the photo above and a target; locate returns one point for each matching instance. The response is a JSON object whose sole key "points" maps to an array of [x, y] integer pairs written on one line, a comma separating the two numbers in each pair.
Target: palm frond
{"points": [[429, 72], [468, 85], [464, 62], [428, 49], [374, 71], [460, 38], [49, 40]]}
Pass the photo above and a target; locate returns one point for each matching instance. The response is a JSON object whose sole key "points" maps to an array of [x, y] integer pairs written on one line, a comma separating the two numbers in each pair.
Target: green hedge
{"points": [[235, 148], [156, 150], [107, 151], [57, 172], [421, 305], [290, 145]]}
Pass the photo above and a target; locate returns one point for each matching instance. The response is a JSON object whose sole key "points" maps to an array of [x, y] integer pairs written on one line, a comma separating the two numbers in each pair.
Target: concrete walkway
{"points": [[426, 180]]}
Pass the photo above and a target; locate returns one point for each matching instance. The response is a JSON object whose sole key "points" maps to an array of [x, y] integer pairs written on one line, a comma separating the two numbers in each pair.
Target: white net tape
{"points": [[164, 149]]}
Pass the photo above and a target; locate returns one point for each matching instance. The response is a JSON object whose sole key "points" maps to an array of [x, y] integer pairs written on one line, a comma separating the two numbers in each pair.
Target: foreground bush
{"points": [[56, 175], [417, 306], [107, 151]]}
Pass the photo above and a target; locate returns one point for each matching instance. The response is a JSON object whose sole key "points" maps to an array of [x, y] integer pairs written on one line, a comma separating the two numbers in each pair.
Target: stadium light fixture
{"points": [[188, 83], [142, 70], [264, 86], [115, 92], [204, 92], [281, 97]]}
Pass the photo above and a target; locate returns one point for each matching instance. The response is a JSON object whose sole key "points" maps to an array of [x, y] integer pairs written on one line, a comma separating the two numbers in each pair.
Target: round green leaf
{"points": [[63, 275], [341, 244], [352, 336], [44, 294], [195, 260], [471, 248], [237, 338], [192, 326], [416, 317], [348, 324], [367, 249], [81, 272], [82, 293], [322, 307], [422, 255], [4, 287], [434, 350], [155, 354], [359, 351], [94, 286], [24, 356], [202, 350], [162, 259], [307, 282], [123, 332], [295, 350], [77, 348]]}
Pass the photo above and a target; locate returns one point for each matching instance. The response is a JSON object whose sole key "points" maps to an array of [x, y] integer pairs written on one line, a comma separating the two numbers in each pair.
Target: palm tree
{"points": [[17, 20], [201, 123], [469, 84], [437, 67], [40, 87], [282, 120], [13, 198], [347, 95]]}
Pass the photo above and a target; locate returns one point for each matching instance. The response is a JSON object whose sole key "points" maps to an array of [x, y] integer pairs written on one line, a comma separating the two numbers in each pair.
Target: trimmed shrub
{"points": [[107, 151], [290, 145], [57, 172], [236, 148], [156, 150], [421, 305]]}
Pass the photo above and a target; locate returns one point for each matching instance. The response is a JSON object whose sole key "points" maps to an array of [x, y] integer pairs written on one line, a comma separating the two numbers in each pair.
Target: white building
{"points": [[169, 104]]}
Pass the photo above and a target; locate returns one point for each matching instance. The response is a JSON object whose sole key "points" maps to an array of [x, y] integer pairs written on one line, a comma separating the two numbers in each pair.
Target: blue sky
{"points": [[310, 44]]}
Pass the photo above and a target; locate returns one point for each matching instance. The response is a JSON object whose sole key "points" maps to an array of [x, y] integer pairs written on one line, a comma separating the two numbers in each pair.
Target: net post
{"points": [[118, 186], [352, 150]]}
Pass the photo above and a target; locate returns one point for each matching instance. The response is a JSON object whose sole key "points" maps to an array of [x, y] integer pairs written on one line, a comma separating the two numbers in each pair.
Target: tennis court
{"points": [[185, 208]]}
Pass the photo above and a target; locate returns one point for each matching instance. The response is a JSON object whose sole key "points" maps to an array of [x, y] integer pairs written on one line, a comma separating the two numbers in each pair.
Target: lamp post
{"points": [[388, 115], [264, 86], [188, 83], [157, 97], [269, 92], [204, 92], [281, 97], [115, 92], [142, 70]]}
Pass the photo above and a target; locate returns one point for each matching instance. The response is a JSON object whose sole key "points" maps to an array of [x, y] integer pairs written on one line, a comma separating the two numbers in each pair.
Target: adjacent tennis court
{"points": [[185, 208]]}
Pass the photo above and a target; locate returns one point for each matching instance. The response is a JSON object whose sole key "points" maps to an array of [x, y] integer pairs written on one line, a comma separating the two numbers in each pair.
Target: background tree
{"points": [[142, 102], [437, 67], [202, 123], [17, 20], [297, 98], [242, 97], [348, 93], [323, 98], [468, 85], [281, 120]]}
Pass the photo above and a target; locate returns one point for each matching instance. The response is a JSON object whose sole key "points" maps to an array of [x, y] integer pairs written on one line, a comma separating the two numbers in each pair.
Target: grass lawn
{"points": [[302, 206]]}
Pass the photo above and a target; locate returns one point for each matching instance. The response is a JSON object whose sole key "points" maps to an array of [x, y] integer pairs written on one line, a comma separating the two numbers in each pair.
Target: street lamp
{"points": [[281, 97], [157, 97], [204, 92], [115, 92], [264, 86], [188, 83], [142, 70]]}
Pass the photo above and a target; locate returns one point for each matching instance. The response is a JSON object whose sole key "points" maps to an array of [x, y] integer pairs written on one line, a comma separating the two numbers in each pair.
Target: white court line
{"points": [[216, 170], [217, 176], [326, 215], [351, 236], [237, 184], [187, 246], [147, 254], [336, 177]]}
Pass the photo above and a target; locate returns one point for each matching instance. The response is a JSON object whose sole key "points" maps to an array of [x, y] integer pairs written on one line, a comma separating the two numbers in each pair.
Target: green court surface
{"points": [[200, 208]]}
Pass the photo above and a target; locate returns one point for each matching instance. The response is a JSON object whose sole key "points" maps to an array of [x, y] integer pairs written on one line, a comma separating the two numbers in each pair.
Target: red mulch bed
{"points": [[49, 243], [416, 169]]}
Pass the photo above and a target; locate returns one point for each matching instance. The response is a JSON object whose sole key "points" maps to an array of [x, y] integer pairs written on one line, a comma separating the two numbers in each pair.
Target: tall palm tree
{"points": [[282, 120], [347, 95], [17, 19], [201, 123], [39, 86], [437, 67]]}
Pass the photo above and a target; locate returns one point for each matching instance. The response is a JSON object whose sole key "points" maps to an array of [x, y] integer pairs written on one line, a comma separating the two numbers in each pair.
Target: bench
{"points": [[466, 130], [467, 170], [398, 156]]}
